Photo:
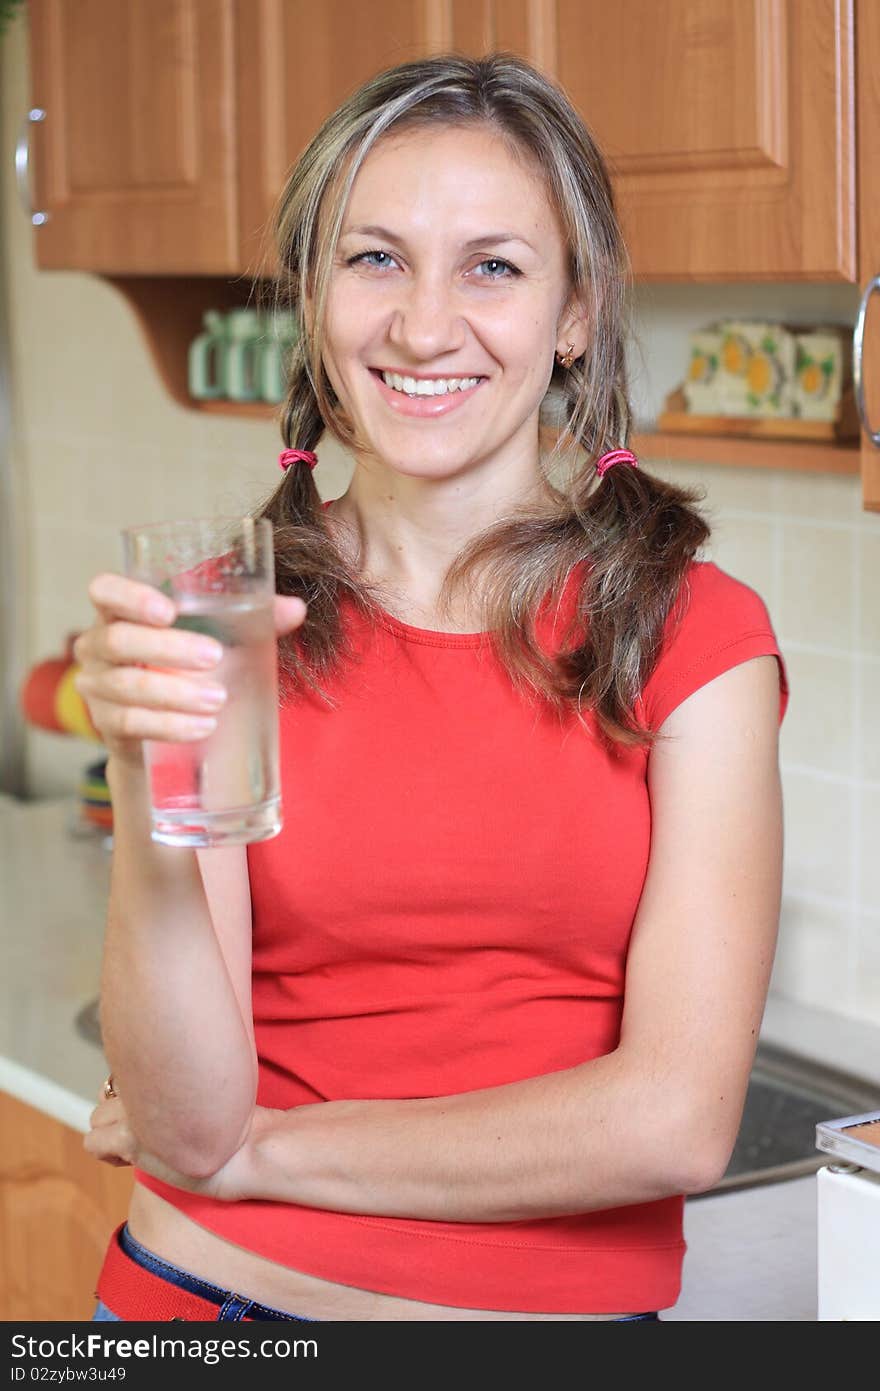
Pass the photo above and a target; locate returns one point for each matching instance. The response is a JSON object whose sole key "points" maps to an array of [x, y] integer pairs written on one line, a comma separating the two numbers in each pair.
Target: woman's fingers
{"points": [[290, 613], [118, 596], [132, 665], [143, 679], [122, 642], [109, 1137], [158, 690]]}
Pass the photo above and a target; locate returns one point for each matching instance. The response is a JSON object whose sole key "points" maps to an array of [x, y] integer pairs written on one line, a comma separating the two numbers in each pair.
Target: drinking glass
{"points": [[220, 572]]}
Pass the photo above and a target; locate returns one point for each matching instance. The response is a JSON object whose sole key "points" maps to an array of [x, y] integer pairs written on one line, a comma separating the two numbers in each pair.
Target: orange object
{"points": [[70, 708], [49, 699]]}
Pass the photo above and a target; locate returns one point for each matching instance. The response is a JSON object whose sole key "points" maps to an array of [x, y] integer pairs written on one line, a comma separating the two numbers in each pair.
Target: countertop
{"points": [[751, 1254]]}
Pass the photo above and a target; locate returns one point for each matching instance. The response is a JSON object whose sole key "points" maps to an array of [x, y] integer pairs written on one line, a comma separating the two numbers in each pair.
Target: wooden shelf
{"points": [[795, 455], [254, 410]]}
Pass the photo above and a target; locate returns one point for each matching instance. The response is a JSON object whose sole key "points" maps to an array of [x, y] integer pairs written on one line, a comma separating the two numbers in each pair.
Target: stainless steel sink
{"points": [[87, 1023], [787, 1097]]}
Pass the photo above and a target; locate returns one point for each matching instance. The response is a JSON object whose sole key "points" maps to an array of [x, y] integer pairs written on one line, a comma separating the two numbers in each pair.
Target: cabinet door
{"points": [[728, 125], [298, 61], [58, 1208], [868, 19], [135, 160]]}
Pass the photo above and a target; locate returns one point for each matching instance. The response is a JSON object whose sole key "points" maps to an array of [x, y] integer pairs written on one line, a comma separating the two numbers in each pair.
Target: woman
{"points": [[457, 1042]]}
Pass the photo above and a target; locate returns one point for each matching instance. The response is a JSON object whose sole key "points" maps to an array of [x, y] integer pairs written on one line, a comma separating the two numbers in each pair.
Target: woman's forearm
{"points": [[172, 1027], [594, 1136]]}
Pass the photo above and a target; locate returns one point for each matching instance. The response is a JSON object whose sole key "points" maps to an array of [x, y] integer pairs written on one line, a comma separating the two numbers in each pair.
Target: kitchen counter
{"points": [[53, 904], [751, 1254]]}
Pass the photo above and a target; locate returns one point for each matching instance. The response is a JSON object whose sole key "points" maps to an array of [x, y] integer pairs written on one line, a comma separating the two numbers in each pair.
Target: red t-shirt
{"points": [[448, 907]]}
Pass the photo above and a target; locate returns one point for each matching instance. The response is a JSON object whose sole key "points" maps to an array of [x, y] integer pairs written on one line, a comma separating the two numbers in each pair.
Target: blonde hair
{"points": [[636, 533]]}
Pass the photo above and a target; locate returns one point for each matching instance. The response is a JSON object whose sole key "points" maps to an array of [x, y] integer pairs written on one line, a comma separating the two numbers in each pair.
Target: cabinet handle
{"points": [[858, 344], [22, 165]]}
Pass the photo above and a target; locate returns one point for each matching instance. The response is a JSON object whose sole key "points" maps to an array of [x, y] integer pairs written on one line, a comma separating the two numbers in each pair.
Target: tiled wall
{"points": [[99, 445]]}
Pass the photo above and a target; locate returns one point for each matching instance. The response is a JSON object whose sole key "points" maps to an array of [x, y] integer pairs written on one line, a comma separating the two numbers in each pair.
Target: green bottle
{"points": [[206, 363], [244, 339], [281, 334]]}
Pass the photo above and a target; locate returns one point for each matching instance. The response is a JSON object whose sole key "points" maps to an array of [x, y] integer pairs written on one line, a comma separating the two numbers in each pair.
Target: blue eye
{"points": [[506, 266], [363, 256]]}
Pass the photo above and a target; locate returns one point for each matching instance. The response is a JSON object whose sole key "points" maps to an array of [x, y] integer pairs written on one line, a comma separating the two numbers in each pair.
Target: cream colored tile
{"points": [[813, 954], [65, 558], [818, 834], [744, 548], [817, 603], [334, 470], [821, 497], [869, 592], [52, 624], [866, 989], [869, 733], [869, 816], [52, 471], [239, 438], [818, 728], [727, 489], [56, 762]]}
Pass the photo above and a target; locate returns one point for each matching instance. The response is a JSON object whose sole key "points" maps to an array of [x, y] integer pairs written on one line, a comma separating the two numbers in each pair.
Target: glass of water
{"points": [[220, 572]]}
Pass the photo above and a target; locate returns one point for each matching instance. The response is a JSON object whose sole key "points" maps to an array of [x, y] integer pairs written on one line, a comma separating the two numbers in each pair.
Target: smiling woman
{"points": [[434, 308], [457, 1041]]}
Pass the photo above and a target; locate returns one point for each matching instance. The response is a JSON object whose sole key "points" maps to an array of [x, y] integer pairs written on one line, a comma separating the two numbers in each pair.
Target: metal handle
{"points": [[858, 343], [22, 165]]}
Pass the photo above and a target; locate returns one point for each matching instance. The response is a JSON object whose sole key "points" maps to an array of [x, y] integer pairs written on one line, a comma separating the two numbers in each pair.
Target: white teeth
{"points": [[439, 386]]}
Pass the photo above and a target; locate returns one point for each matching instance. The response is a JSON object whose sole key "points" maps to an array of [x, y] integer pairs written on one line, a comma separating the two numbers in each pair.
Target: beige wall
{"points": [[98, 445]]}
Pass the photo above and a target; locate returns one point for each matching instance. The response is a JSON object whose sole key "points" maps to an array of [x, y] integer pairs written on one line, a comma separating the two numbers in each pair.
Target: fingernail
{"points": [[213, 695], [160, 610], [209, 653]]}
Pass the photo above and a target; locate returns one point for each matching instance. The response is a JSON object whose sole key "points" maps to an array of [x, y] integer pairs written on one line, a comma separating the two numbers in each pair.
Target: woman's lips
{"points": [[423, 405]]}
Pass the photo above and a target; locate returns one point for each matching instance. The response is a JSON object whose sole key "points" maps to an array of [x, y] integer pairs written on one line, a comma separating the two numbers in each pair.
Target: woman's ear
{"points": [[574, 328]]}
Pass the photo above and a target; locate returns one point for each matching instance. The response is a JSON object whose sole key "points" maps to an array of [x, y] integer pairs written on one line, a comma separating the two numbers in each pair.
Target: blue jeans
{"points": [[230, 1306]]}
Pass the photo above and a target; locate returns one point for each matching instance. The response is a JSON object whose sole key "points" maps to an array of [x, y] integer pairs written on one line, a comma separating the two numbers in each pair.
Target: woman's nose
{"points": [[427, 320]]}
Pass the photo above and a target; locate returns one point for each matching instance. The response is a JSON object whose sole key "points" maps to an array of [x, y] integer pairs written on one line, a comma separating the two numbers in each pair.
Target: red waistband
{"points": [[137, 1295]]}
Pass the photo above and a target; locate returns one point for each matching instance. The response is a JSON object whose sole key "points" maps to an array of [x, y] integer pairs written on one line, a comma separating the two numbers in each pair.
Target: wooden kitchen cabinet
{"points": [[298, 61], [171, 124], [134, 163], [58, 1208], [728, 124]]}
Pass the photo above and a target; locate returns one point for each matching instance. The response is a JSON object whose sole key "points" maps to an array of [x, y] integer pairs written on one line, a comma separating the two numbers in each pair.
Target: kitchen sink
{"points": [[787, 1097], [87, 1023]]}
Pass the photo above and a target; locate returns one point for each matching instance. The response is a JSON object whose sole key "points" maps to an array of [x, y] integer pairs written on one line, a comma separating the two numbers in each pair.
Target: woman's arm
{"points": [[175, 987], [660, 1114]]}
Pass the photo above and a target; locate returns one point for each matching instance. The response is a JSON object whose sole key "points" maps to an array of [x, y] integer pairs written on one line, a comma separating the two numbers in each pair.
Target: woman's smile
{"points": [[428, 397]]}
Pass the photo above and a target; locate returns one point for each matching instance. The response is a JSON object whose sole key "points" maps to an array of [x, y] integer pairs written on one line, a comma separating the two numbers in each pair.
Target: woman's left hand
{"points": [[112, 1140]]}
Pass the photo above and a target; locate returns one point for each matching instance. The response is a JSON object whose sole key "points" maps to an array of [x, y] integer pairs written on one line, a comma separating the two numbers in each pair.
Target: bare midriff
{"points": [[170, 1234]]}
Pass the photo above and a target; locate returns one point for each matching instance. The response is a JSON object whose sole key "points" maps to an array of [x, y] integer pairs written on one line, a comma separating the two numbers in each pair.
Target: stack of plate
{"points": [[94, 796]]}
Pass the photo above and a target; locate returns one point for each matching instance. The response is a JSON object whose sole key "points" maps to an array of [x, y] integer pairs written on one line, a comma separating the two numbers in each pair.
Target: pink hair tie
{"points": [[615, 456], [292, 456]]}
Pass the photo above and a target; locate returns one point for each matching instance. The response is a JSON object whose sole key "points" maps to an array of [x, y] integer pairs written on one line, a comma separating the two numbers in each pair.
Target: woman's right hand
{"points": [[132, 633]]}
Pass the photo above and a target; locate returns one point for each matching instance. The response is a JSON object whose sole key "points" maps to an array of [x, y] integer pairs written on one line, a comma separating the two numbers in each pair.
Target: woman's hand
{"points": [[143, 679], [112, 1140]]}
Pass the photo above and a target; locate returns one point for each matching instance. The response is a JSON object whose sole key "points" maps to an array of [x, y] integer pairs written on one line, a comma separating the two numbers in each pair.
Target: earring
{"points": [[569, 357]]}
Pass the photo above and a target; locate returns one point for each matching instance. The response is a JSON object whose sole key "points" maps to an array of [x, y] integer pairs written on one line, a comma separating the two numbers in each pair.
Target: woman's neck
{"points": [[404, 539]]}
